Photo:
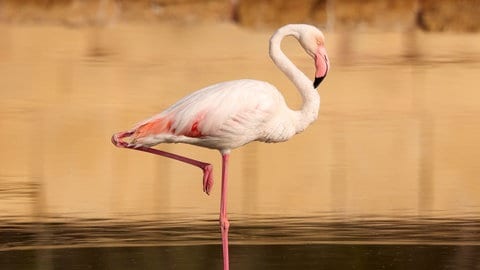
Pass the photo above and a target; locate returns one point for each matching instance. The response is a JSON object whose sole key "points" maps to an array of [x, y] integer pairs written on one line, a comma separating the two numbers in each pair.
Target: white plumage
{"points": [[229, 115]]}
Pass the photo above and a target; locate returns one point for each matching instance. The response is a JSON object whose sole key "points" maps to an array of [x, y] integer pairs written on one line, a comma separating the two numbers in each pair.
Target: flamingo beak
{"points": [[321, 65], [317, 81]]}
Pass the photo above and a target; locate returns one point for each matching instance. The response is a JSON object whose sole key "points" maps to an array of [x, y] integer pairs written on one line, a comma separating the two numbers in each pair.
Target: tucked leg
{"points": [[206, 167]]}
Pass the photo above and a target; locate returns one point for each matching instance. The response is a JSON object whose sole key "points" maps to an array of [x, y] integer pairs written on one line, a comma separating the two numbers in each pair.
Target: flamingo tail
{"points": [[152, 127]]}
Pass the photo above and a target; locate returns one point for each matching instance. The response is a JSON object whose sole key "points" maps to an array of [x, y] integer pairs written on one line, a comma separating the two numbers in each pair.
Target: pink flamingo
{"points": [[227, 115]]}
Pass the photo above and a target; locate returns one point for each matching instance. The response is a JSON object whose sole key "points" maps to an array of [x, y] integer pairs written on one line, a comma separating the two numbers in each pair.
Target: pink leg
{"points": [[224, 223], [206, 167]]}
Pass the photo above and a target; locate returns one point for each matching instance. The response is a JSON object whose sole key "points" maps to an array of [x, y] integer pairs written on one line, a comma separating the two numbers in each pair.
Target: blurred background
{"points": [[387, 176]]}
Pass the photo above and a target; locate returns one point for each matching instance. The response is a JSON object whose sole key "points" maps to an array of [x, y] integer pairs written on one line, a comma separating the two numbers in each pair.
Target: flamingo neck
{"points": [[310, 97]]}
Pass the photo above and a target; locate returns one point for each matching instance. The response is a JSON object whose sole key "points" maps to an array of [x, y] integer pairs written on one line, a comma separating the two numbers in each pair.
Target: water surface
{"points": [[387, 177]]}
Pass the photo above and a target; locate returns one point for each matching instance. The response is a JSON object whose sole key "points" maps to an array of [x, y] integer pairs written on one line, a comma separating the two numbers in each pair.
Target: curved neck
{"points": [[310, 97]]}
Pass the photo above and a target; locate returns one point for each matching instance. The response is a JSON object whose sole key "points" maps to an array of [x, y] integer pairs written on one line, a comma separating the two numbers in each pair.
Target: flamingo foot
{"points": [[207, 178]]}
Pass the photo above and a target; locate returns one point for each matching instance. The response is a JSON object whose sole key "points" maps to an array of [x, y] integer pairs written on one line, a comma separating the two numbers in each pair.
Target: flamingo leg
{"points": [[206, 167], [224, 223]]}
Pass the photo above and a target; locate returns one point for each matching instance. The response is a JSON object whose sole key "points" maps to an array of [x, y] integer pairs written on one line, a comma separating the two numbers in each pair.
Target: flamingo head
{"points": [[313, 41]]}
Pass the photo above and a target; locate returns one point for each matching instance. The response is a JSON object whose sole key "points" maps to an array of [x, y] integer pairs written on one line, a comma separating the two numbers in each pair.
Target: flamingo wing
{"points": [[221, 116]]}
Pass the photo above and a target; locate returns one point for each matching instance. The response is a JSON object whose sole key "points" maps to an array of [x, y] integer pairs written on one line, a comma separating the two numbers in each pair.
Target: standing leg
{"points": [[206, 167], [224, 224]]}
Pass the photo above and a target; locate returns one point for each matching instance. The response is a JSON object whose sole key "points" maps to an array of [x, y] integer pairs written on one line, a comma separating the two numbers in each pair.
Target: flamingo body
{"points": [[222, 116]]}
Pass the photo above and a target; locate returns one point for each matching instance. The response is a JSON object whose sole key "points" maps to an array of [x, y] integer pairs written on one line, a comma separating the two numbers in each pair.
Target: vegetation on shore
{"points": [[428, 15]]}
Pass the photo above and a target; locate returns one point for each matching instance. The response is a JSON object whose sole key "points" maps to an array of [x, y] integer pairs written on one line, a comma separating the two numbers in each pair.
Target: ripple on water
{"points": [[63, 232]]}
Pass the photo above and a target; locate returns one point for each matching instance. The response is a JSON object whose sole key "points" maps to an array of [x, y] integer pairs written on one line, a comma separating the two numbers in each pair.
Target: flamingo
{"points": [[227, 115]]}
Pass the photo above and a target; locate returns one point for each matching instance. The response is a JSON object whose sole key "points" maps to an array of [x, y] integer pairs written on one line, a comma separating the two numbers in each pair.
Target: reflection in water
{"points": [[426, 159], [259, 243], [393, 157], [175, 230]]}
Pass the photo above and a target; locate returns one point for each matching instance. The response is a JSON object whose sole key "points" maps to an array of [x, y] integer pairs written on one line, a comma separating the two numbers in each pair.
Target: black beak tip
{"points": [[317, 81]]}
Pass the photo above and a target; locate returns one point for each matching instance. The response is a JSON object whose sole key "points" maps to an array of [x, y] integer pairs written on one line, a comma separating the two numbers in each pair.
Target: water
{"points": [[328, 256], [259, 243], [387, 177]]}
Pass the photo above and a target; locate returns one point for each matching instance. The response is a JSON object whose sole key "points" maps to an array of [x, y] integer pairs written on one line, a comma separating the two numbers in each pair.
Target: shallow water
{"points": [[387, 177], [259, 243]]}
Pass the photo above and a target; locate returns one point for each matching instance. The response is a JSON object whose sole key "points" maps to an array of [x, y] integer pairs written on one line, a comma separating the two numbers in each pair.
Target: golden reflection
{"points": [[397, 135]]}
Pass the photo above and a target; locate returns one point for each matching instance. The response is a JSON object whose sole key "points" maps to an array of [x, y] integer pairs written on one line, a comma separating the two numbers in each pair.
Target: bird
{"points": [[228, 115]]}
